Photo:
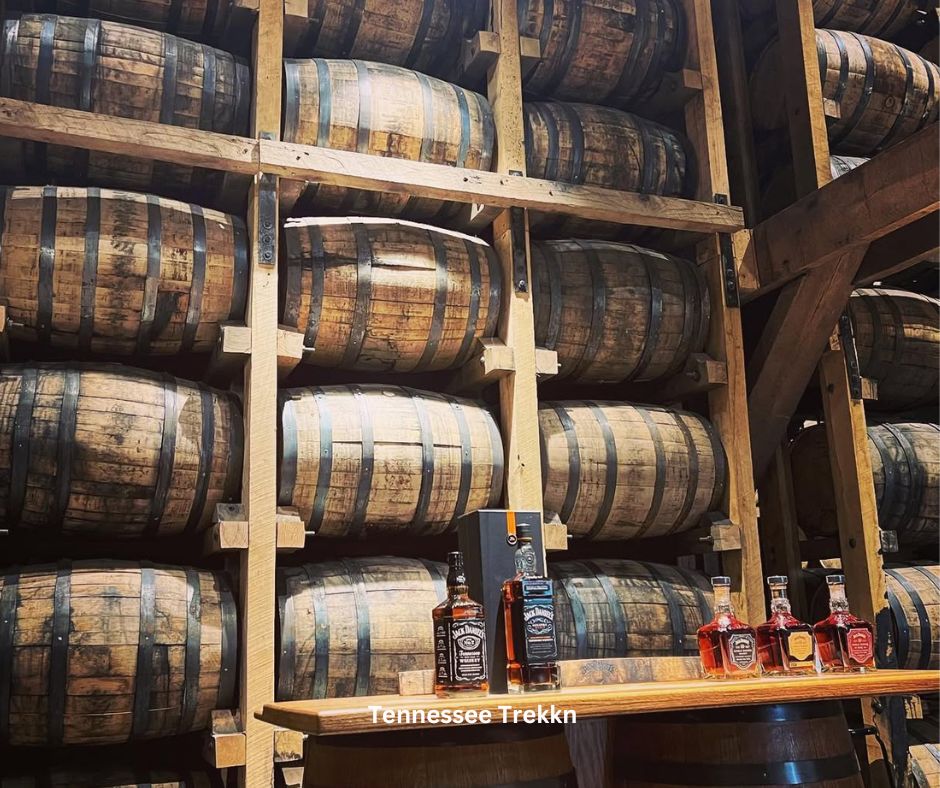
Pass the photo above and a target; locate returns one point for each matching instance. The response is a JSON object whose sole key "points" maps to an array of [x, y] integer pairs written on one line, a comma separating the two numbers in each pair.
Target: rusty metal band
{"points": [[366, 466], [325, 464], [287, 440], [822, 56], [352, 28], [364, 262], [673, 605], [321, 631], [660, 470], [908, 84], [576, 130], [206, 455], [614, 606], [22, 446], [647, 154], [934, 580], [463, 110], [286, 636], [886, 519], [47, 254], [207, 99], [572, 34], [882, 32], [813, 771], [610, 470], [426, 431], [152, 281], [598, 309], [437, 578], [693, 319], [473, 307], [89, 62], [86, 321], [363, 627], [691, 487], [241, 273], [466, 457], [143, 684], [364, 126], [191, 664], [494, 274], [627, 83], [867, 90], [59, 654], [291, 100], [308, 43], [44, 60], [317, 284], [198, 284], [664, 58], [436, 329], [574, 460], [171, 407], [9, 602], [721, 462], [552, 159], [826, 18], [427, 117], [545, 29], [576, 606], [65, 442], [229, 669], [843, 81], [915, 475], [170, 62], [324, 103], [489, 131], [496, 449]]}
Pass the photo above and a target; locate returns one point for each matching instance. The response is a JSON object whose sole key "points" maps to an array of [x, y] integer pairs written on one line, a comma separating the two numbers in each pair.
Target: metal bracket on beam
{"points": [[728, 269], [267, 215], [847, 340], [520, 266]]}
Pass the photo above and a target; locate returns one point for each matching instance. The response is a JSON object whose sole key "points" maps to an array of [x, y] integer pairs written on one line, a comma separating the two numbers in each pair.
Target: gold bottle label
{"points": [[800, 646]]}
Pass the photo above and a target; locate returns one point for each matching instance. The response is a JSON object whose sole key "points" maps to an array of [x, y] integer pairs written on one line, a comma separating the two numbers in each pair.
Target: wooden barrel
{"points": [[113, 451], [897, 336], [611, 470], [883, 19], [884, 93], [925, 765], [83, 775], [781, 192], [354, 105], [905, 460], [602, 52], [615, 312], [127, 72], [387, 295], [97, 270], [360, 459], [785, 744], [350, 627], [613, 608], [480, 756], [100, 652]]}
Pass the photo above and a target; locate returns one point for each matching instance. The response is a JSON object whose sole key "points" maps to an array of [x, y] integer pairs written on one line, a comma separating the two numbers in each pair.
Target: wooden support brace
{"points": [[229, 355], [224, 744], [492, 360], [675, 91], [478, 55], [290, 350], [229, 531], [291, 530], [546, 363], [288, 745], [554, 536], [701, 373]]}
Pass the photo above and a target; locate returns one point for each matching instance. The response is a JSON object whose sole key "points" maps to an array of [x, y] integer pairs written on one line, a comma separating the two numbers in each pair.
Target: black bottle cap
{"points": [[524, 531]]}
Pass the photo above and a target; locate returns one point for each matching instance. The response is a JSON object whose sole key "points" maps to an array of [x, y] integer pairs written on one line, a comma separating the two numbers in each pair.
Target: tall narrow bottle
{"points": [[531, 649], [459, 638], [727, 646], [846, 643], [784, 643]]}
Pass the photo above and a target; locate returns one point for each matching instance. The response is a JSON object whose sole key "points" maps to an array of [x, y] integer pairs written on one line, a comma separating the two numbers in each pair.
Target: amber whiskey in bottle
{"points": [[845, 643], [727, 646], [459, 638], [785, 645], [531, 648]]}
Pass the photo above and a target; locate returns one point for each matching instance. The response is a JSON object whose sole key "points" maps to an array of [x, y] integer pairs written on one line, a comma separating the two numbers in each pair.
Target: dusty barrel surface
{"points": [[616, 471], [356, 105], [616, 312], [482, 756], [602, 52], [784, 744], [882, 19], [104, 271], [101, 652], [905, 460], [128, 72], [386, 294], [925, 765], [883, 93], [112, 451], [359, 459], [897, 337], [350, 627], [614, 608]]}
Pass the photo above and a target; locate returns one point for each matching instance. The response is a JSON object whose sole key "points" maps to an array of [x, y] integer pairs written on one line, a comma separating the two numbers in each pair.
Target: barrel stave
{"points": [[883, 19]]}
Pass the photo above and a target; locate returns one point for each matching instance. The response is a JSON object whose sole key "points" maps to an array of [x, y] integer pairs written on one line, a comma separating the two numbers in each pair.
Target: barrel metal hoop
{"points": [[352, 28], [5, 193], [577, 141], [367, 465], [290, 282], [830, 14], [286, 635], [364, 262], [325, 464], [424, 23], [647, 154], [240, 275], [324, 103], [427, 112], [552, 160], [463, 109], [902, 627], [287, 437], [207, 99], [425, 429], [152, 281], [496, 452], [321, 634], [364, 125], [318, 283], [363, 626], [676, 619], [691, 487], [573, 32], [576, 606], [473, 308], [656, 502], [655, 316], [175, 12], [574, 461], [65, 442], [170, 64], [47, 259], [615, 607], [610, 472], [437, 577], [206, 455], [229, 670], [905, 105], [466, 458], [11, 30], [59, 653], [291, 100], [194, 312], [929, 106], [702, 597], [230, 407], [441, 288], [598, 309], [145, 648], [242, 110], [900, 336], [308, 44], [915, 490], [885, 518], [191, 663], [555, 288], [171, 409], [9, 602], [45, 59], [843, 67], [877, 366], [89, 62], [696, 304], [495, 286], [721, 463], [86, 323], [22, 445], [867, 90], [929, 575], [767, 713], [885, 30], [626, 86], [923, 622]]}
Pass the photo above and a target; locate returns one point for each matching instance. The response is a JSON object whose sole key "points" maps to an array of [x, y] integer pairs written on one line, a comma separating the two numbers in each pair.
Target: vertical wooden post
{"points": [[256, 575]]}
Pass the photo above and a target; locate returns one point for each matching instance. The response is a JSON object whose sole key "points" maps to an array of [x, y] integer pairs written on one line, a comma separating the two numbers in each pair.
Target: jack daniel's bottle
{"points": [[785, 644], [531, 650], [459, 638], [846, 643], [727, 645]]}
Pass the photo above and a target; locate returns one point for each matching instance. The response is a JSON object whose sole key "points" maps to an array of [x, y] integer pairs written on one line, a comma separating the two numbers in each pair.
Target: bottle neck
{"points": [[723, 602], [456, 580], [525, 559], [778, 601], [837, 599]]}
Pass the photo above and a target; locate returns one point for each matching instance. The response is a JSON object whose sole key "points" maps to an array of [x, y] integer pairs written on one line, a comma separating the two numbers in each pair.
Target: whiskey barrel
{"points": [[83, 775], [925, 765], [103, 271], [479, 756], [602, 52], [897, 336], [101, 652], [611, 470], [127, 72], [781, 192], [359, 459], [616, 312], [387, 295], [784, 744], [883, 19], [113, 451], [350, 627], [905, 460], [883, 93], [612, 608], [355, 105]]}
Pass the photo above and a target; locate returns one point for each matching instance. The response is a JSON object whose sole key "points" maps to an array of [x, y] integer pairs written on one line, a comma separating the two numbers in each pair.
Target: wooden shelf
{"points": [[336, 716]]}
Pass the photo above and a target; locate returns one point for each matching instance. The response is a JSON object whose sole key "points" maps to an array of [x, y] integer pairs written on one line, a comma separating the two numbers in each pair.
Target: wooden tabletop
{"points": [[335, 716]]}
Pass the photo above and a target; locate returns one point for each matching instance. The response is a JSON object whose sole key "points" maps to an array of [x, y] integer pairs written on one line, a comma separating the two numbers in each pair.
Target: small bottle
{"points": [[784, 643], [845, 643], [531, 649], [727, 646], [459, 638]]}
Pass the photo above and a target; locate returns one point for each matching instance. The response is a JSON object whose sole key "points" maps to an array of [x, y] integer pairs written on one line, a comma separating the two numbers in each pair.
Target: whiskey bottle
{"points": [[531, 649], [845, 643], [727, 646], [459, 638], [784, 643]]}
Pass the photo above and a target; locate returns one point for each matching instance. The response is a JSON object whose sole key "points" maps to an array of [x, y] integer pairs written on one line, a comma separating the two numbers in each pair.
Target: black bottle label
{"points": [[460, 651], [538, 622], [742, 648]]}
